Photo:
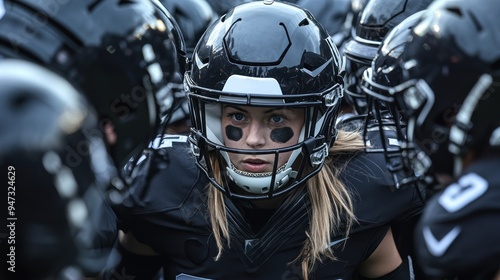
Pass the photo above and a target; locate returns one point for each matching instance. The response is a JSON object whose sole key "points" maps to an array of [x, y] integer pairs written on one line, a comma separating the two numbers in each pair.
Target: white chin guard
{"points": [[259, 183]]}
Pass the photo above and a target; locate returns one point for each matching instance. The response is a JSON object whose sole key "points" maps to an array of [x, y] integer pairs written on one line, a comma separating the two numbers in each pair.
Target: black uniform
{"points": [[167, 211], [459, 232]]}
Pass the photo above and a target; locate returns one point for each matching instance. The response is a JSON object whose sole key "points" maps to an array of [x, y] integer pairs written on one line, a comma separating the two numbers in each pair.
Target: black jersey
{"points": [[167, 211], [459, 232]]}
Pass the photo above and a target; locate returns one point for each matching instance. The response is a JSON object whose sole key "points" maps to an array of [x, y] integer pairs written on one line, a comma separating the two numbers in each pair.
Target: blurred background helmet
{"points": [[119, 54], [193, 18], [58, 171], [334, 15], [376, 19], [222, 6], [451, 64], [383, 116]]}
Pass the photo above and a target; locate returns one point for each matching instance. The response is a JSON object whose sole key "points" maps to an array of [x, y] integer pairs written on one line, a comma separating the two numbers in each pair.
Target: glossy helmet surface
{"points": [[357, 7], [377, 18], [193, 17], [451, 65], [334, 15], [377, 83], [223, 6], [174, 106], [58, 169], [265, 53], [120, 54]]}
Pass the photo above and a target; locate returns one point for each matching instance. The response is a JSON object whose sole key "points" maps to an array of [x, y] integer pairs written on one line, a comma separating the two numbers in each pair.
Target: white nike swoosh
{"points": [[438, 247], [318, 70]]}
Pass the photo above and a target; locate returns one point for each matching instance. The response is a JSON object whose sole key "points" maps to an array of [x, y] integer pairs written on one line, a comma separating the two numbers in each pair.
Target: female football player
{"points": [[265, 186]]}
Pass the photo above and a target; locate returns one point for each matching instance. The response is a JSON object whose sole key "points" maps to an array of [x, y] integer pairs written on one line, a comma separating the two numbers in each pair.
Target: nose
{"points": [[255, 138]]}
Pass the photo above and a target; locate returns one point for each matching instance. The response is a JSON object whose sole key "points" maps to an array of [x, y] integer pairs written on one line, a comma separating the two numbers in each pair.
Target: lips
{"points": [[254, 165]]}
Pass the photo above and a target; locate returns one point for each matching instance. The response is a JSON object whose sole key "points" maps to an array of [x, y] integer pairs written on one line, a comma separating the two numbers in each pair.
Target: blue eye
{"points": [[237, 117], [277, 119]]}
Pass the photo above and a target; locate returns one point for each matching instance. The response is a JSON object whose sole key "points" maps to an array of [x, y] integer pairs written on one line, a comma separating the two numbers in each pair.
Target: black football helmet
{"points": [[335, 16], [120, 54], [174, 106], [265, 53], [450, 97], [193, 17], [223, 6], [357, 7], [382, 113], [58, 171], [376, 19]]}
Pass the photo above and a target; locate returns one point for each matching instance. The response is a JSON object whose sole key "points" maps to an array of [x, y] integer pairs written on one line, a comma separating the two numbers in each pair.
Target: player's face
{"points": [[258, 128]]}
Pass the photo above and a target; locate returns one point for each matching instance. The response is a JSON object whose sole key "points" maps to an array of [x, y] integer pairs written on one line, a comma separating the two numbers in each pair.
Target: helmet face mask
{"points": [[380, 83], [276, 79], [315, 138], [354, 95]]}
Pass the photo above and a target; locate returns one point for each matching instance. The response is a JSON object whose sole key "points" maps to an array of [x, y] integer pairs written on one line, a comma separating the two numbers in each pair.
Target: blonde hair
{"points": [[330, 201]]}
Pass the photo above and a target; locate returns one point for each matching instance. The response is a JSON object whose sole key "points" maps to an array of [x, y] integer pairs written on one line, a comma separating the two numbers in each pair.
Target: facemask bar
{"points": [[460, 130], [354, 94], [382, 118], [276, 188], [414, 99], [312, 148]]}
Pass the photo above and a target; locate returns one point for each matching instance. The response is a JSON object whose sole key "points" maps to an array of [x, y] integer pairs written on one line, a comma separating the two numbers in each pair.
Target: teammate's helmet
{"points": [[57, 168], [334, 15], [274, 47], [377, 18], [174, 106], [120, 54], [193, 17], [357, 7], [451, 64], [223, 6], [377, 82]]}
